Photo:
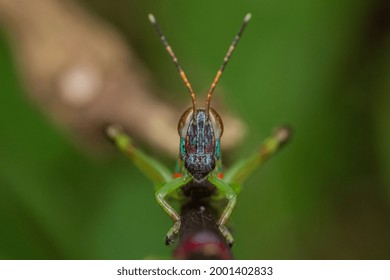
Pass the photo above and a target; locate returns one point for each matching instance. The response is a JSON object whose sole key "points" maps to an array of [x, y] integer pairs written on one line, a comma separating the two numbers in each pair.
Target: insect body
{"points": [[200, 130], [198, 173]]}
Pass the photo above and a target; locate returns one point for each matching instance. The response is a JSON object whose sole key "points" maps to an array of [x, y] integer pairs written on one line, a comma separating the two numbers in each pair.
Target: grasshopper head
{"points": [[200, 141]]}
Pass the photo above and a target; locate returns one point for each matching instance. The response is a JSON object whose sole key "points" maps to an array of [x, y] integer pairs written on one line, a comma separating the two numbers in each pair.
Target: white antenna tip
{"points": [[247, 17], [152, 19]]}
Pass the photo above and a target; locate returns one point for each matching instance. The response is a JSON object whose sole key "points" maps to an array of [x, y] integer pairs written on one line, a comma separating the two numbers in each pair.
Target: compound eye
{"points": [[184, 122], [217, 123]]}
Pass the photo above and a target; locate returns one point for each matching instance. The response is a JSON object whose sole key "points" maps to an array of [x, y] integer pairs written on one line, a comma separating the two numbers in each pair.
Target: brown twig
{"points": [[200, 237]]}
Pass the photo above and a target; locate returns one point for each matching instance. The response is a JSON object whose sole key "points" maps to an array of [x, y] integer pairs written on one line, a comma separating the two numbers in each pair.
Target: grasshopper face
{"points": [[200, 142]]}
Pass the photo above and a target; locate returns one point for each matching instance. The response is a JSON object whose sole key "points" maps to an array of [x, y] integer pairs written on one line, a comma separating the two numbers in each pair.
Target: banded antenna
{"points": [[225, 61], [153, 21]]}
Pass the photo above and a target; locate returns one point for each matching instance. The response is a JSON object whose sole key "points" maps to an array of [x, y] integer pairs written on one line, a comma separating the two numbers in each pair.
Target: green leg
{"points": [[160, 196], [154, 170], [231, 196], [239, 172]]}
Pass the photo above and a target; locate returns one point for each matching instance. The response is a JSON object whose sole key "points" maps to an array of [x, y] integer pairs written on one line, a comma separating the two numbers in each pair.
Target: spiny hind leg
{"points": [[231, 196], [240, 171], [153, 169]]}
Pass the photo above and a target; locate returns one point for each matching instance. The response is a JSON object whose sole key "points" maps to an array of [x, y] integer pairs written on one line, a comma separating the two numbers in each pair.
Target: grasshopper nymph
{"points": [[198, 173]]}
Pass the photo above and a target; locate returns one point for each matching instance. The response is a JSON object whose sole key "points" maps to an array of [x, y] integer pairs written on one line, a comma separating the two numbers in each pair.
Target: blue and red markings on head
{"points": [[200, 142]]}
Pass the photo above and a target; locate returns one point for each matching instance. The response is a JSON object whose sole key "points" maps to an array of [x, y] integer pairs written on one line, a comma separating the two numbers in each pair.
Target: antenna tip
{"points": [[247, 17], [152, 19]]}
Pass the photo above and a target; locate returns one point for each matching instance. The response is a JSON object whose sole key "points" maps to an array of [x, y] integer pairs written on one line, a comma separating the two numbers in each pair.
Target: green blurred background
{"points": [[321, 66]]}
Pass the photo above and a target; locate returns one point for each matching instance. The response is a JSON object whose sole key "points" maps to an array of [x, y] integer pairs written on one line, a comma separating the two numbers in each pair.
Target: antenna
{"points": [[153, 21], [225, 61]]}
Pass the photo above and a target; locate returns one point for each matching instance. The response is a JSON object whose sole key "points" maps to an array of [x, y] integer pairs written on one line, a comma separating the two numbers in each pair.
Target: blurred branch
{"points": [[200, 237], [81, 73]]}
